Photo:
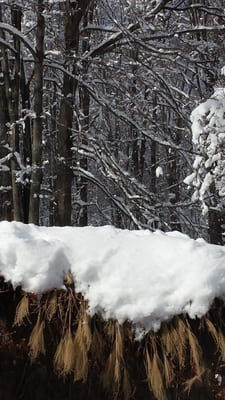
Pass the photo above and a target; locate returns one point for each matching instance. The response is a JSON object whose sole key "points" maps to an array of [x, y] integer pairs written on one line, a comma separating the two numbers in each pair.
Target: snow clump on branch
{"points": [[208, 137]]}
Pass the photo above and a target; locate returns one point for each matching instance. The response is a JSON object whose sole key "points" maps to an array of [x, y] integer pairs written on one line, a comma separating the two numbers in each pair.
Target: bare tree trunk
{"points": [[215, 219], [36, 176], [12, 98], [73, 14], [27, 152], [215, 229], [5, 177], [85, 100], [85, 105], [153, 150], [64, 155]]}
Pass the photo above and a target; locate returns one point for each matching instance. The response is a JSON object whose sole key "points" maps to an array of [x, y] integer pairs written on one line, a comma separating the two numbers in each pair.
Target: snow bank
{"points": [[137, 275]]}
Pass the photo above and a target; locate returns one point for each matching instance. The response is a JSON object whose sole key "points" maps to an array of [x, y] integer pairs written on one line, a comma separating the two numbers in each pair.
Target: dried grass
{"points": [[108, 376], [59, 357], [217, 336], [154, 374], [51, 306], [169, 374], [69, 279], [36, 342], [128, 331], [181, 341], [174, 341], [82, 344], [174, 348], [126, 387], [192, 381], [167, 340], [110, 329], [221, 344], [22, 310], [195, 353], [112, 376], [72, 352], [65, 355], [212, 330], [97, 345], [81, 355]]}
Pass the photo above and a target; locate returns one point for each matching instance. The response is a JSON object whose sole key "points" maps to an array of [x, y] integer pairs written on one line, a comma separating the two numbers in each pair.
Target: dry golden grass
{"points": [[72, 352], [167, 340], [177, 343], [51, 305], [221, 344], [82, 344], [22, 310], [112, 375], [192, 381], [218, 338], [174, 341], [97, 345], [118, 349], [69, 280], [36, 342], [169, 374], [195, 353], [181, 341], [83, 329], [126, 386], [167, 354], [65, 355], [59, 357], [154, 372], [110, 330], [212, 330]]}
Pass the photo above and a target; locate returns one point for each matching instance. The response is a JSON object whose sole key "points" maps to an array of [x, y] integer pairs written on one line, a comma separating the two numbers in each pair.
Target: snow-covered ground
{"points": [[137, 275]]}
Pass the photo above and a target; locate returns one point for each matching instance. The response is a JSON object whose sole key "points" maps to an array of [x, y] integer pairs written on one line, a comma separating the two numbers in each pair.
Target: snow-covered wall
{"points": [[137, 275]]}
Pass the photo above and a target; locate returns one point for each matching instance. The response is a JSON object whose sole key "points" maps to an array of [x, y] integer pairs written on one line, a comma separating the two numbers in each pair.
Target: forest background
{"points": [[95, 105]]}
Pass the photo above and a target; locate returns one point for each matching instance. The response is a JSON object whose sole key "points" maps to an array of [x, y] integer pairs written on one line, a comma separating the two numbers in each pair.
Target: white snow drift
{"points": [[137, 275]]}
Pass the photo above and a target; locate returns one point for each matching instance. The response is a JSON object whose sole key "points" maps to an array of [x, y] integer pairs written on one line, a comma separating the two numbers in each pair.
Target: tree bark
{"points": [[11, 87], [36, 176], [5, 176], [73, 14]]}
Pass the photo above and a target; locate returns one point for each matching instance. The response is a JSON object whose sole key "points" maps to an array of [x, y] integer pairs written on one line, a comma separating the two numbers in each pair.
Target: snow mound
{"points": [[137, 275]]}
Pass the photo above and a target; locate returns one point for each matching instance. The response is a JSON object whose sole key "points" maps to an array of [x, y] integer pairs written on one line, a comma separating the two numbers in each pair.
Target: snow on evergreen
{"points": [[208, 136]]}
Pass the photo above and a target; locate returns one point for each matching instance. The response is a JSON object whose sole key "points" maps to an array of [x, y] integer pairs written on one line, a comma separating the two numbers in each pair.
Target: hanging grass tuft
{"points": [[169, 374], [82, 343], [189, 383], [126, 386], [174, 341], [217, 336], [195, 353], [36, 342], [81, 348], [65, 355], [154, 372], [51, 305], [22, 310], [97, 345], [221, 343], [112, 375]]}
